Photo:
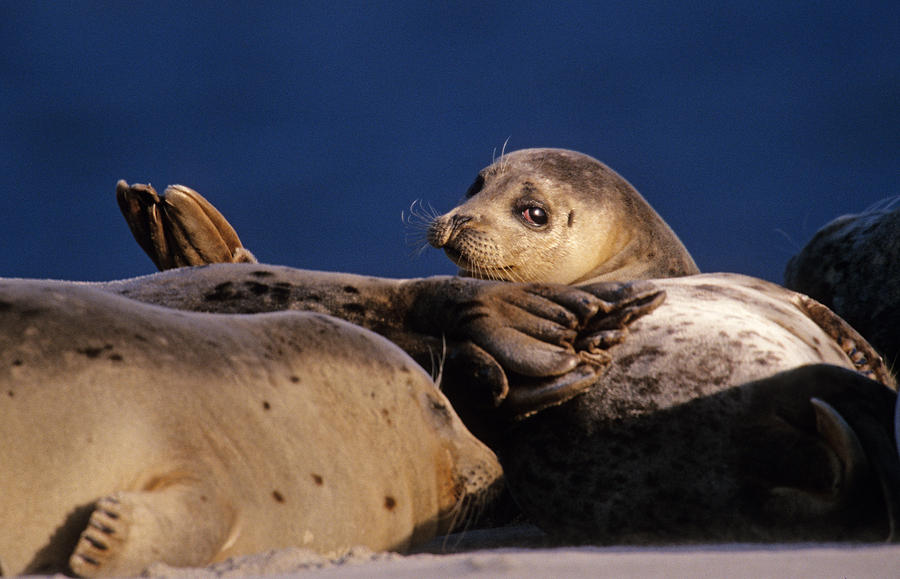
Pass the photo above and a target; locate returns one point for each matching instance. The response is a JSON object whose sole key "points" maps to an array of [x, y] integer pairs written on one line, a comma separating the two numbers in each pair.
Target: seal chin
{"points": [[456, 257]]}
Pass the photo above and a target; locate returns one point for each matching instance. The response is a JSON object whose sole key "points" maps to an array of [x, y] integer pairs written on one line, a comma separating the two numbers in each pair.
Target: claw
{"points": [[630, 306], [475, 377], [525, 399], [602, 340]]}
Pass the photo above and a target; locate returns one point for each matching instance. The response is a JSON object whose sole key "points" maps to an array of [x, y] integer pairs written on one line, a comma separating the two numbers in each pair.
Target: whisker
{"points": [[883, 205], [417, 221]]}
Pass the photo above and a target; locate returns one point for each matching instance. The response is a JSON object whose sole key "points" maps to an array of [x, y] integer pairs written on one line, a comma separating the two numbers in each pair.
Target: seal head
{"points": [[553, 215]]}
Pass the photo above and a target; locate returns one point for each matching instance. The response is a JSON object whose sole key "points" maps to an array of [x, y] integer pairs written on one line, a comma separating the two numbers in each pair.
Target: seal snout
{"points": [[443, 229]]}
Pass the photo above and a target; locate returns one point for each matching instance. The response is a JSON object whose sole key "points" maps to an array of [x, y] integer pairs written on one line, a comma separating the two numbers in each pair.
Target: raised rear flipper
{"points": [[179, 228]]}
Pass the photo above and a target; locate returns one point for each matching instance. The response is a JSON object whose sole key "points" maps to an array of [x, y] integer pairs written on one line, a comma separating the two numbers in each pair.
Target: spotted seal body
{"points": [[134, 433], [553, 215], [704, 428], [852, 265]]}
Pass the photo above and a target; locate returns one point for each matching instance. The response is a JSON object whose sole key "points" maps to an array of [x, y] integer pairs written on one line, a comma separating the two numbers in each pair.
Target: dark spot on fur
{"points": [[353, 308], [278, 496], [17, 362], [257, 288], [94, 352], [295, 379], [5, 306], [390, 502], [281, 293], [10, 393], [571, 218], [387, 415], [317, 478], [262, 274], [649, 352], [222, 292], [115, 357], [266, 405], [351, 289]]}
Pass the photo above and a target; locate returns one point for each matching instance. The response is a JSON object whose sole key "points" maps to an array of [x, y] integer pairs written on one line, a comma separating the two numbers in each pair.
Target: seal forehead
{"points": [[561, 162], [583, 174]]}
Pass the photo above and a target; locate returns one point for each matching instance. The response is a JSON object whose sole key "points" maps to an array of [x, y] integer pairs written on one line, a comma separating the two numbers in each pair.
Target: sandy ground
{"points": [[727, 561], [702, 561]]}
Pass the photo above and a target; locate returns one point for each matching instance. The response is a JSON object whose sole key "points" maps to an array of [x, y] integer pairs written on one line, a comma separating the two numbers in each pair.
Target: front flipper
{"points": [[549, 340], [179, 228], [181, 525]]}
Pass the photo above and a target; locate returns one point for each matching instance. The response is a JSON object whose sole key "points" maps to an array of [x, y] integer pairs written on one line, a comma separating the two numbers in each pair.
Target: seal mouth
{"points": [[472, 269]]}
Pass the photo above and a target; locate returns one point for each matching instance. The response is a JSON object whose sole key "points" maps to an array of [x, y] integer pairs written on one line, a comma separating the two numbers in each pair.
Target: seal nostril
{"points": [[443, 229], [459, 220]]}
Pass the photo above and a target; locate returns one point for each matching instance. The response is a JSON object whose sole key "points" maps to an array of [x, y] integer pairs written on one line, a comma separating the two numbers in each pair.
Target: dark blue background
{"points": [[312, 126]]}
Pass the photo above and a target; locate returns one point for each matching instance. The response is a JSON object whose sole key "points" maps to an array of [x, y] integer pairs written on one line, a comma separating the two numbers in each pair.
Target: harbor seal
{"points": [[651, 452], [134, 433], [852, 265], [553, 215]]}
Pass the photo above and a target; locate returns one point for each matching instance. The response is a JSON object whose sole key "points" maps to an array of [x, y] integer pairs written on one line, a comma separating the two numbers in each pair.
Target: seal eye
{"points": [[535, 216]]}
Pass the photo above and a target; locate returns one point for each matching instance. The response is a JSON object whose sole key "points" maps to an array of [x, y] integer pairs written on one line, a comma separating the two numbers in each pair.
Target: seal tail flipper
{"points": [[181, 525], [179, 228]]}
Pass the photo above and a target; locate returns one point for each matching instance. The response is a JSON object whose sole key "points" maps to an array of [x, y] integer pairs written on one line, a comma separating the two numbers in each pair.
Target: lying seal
{"points": [[657, 449], [852, 265], [552, 215], [135, 434]]}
